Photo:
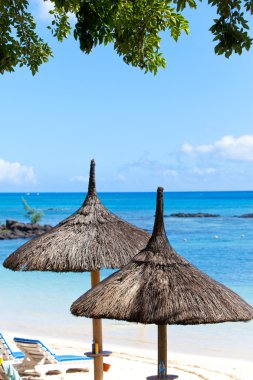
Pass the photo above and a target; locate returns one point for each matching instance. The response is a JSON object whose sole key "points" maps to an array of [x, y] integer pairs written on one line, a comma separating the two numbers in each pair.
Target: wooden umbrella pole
{"points": [[162, 349], [97, 334]]}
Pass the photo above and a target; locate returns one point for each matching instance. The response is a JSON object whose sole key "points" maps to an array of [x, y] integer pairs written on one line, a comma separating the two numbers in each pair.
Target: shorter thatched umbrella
{"points": [[159, 286], [90, 239]]}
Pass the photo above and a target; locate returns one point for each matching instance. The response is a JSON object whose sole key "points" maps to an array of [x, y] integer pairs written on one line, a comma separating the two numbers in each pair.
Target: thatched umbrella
{"points": [[159, 286], [90, 239]]}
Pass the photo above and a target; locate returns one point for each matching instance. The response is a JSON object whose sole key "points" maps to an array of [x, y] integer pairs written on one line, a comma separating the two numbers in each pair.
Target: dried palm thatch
{"points": [[159, 286], [90, 239]]}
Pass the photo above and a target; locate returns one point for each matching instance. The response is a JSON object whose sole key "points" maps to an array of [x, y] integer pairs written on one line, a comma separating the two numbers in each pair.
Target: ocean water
{"points": [[37, 304]]}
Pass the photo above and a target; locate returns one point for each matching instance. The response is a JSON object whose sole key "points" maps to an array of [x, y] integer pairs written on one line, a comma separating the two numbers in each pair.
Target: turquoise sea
{"points": [[38, 303]]}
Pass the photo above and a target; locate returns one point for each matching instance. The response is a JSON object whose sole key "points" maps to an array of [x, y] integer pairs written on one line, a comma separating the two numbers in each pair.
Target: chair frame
{"points": [[40, 360], [7, 352]]}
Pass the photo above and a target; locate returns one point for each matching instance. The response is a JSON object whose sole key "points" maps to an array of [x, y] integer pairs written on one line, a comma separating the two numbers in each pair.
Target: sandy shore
{"points": [[138, 363]]}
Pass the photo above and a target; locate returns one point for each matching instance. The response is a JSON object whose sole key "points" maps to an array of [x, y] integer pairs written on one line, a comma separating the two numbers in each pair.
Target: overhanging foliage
{"points": [[133, 26]]}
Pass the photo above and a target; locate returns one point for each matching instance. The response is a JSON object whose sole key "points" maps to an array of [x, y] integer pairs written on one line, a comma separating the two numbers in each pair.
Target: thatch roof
{"points": [[90, 239], [159, 286]]}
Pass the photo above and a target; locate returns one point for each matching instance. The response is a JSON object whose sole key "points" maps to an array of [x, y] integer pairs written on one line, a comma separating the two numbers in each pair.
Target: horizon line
{"points": [[123, 192]]}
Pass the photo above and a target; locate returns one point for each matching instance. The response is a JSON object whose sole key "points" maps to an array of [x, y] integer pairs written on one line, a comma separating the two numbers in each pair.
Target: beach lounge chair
{"points": [[7, 353], [40, 360]]}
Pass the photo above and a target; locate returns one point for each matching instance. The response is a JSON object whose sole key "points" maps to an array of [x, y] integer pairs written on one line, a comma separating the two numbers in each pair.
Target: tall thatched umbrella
{"points": [[90, 239], [159, 286]]}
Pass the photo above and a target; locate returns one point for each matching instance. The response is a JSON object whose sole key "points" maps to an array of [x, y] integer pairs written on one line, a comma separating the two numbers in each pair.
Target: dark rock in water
{"points": [[246, 216], [194, 215], [17, 230]]}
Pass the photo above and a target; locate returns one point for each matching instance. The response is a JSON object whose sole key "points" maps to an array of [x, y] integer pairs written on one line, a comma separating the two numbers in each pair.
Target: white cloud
{"points": [[229, 147], [80, 179], [204, 148], [240, 148], [14, 172], [187, 148], [203, 171]]}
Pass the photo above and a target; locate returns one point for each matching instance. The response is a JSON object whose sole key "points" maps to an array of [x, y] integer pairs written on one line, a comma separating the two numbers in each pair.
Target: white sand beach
{"points": [[138, 363]]}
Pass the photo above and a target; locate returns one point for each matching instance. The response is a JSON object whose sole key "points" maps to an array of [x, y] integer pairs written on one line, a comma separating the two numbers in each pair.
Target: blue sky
{"points": [[187, 129]]}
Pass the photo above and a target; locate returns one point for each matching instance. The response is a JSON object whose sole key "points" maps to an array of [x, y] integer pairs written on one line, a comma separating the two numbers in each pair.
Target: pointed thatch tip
{"points": [[92, 179], [159, 223]]}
